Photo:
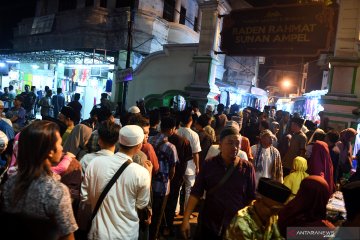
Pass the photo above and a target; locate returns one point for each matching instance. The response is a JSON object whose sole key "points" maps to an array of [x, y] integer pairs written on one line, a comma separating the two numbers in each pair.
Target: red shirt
{"points": [[148, 149]]}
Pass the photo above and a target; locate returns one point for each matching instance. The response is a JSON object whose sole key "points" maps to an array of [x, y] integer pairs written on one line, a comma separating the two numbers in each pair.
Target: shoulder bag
{"points": [[106, 190], [227, 175]]}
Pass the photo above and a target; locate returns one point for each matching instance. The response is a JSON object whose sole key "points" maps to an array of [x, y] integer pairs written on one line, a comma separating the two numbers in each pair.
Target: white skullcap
{"points": [[131, 135], [134, 109], [3, 140]]}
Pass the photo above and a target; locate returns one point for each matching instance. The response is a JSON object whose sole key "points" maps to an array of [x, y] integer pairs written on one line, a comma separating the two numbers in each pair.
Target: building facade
{"points": [[102, 24], [100, 27], [343, 98]]}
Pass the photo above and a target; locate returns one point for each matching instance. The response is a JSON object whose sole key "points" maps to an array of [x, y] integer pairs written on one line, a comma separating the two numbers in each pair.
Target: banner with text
{"points": [[290, 30]]}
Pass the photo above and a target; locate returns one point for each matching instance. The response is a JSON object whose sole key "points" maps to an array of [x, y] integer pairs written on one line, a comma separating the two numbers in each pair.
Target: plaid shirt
{"points": [[167, 157]]}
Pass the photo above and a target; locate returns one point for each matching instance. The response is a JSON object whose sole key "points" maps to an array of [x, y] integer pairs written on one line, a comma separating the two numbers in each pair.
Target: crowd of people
{"points": [[249, 174]]}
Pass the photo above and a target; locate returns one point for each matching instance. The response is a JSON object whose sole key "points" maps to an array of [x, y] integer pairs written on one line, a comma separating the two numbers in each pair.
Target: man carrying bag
{"points": [[230, 185], [117, 217]]}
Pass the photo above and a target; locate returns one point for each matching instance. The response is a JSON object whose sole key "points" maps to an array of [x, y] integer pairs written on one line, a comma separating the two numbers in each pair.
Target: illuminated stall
{"points": [[89, 80], [308, 105], [312, 105], [285, 104], [89, 74], [257, 98]]}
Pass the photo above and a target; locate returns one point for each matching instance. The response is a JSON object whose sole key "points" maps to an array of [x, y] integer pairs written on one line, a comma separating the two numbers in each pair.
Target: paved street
{"points": [[177, 224]]}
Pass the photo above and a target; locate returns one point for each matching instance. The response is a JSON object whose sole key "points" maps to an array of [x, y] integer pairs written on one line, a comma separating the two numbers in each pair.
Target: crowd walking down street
{"points": [[168, 174]]}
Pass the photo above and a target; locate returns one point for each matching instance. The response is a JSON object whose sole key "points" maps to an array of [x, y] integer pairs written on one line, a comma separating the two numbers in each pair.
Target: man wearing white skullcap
{"points": [[117, 217], [134, 110]]}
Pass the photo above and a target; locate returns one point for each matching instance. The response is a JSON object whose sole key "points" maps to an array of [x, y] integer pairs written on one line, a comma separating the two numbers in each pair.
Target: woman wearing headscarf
{"points": [[320, 163], [318, 134], [298, 173], [308, 208], [77, 140], [345, 156]]}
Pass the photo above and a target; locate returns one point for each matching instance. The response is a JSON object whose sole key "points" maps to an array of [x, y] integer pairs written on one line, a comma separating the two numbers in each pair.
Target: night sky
{"points": [[11, 12]]}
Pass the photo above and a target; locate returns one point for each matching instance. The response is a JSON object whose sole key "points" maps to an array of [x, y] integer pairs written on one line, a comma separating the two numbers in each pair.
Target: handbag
{"points": [[106, 190], [227, 175]]}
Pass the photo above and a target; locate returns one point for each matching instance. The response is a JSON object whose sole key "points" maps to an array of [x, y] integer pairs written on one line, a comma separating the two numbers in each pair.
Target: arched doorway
{"points": [[175, 99]]}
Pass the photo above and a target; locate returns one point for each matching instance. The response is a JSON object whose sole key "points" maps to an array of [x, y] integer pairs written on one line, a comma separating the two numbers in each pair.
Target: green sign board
{"points": [[286, 30]]}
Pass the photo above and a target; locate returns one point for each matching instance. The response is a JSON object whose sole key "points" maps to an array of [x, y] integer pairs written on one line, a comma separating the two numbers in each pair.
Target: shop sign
{"points": [[287, 30], [124, 75]]}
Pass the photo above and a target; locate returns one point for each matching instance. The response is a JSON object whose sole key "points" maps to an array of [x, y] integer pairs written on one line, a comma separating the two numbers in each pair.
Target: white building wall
{"points": [[171, 69], [181, 33], [348, 29]]}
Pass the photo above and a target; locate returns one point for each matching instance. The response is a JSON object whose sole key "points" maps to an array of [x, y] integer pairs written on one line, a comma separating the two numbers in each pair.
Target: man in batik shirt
{"points": [[259, 219]]}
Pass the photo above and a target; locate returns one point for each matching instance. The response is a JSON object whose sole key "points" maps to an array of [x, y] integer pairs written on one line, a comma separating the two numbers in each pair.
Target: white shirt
{"points": [[267, 162], [194, 140], [87, 158], [117, 217]]}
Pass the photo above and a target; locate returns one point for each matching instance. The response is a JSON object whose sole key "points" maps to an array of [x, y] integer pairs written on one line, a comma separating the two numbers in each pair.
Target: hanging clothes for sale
{"points": [[108, 86]]}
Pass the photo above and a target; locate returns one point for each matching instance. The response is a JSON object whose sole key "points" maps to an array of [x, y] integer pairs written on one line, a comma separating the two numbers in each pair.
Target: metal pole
{"points": [[129, 48]]}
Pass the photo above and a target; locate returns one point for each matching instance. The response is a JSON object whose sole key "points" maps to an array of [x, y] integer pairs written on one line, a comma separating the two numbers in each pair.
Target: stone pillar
{"points": [[177, 11], [199, 17], [203, 87], [344, 84]]}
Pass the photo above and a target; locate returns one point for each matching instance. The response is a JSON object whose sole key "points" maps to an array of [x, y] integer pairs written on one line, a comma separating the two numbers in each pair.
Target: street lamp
{"points": [[286, 84]]}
